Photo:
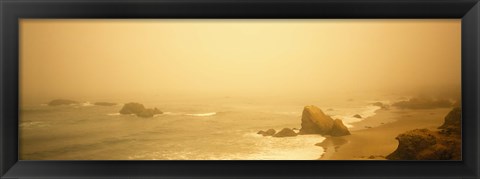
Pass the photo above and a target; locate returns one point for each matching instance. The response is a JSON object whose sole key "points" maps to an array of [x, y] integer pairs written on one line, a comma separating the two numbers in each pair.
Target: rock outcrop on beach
{"points": [[338, 129], [139, 110], [423, 103], [286, 132], [314, 121], [104, 104], [59, 102], [357, 116], [424, 144]]}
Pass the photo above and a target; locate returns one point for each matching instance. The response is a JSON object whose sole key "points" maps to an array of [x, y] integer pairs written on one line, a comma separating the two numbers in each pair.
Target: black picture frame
{"points": [[12, 10]]}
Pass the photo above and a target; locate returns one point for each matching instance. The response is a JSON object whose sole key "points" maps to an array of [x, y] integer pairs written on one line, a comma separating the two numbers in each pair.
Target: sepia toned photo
{"points": [[238, 89]]}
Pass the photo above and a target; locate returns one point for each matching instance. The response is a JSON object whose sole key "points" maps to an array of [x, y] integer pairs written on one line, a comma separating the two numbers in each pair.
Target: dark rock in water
{"points": [[59, 102], [285, 132], [423, 103], [339, 129], [132, 108], [381, 105], [104, 104], [424, 144], [139, 110], [314, 121], [357, 116], [146, 113], [269, 132]]}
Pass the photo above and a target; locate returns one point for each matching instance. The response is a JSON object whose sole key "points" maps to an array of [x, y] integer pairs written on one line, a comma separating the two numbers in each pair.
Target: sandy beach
{"points": [[374, 137]]}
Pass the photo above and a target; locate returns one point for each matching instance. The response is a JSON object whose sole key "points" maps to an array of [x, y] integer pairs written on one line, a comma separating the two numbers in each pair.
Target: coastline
{"points": [[374, 137]]}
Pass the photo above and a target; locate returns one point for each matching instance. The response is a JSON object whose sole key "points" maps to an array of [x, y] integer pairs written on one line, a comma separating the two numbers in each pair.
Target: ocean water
{"points": [[213, 130]]}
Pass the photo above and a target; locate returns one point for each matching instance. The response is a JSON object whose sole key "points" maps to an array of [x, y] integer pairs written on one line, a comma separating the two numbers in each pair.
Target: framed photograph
{"points": [[247, 89]]}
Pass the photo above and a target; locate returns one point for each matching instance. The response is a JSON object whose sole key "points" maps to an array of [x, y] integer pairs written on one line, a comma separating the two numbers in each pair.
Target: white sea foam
{"points": [[86, 104], [114, 114], [346, 114], [202, 114], [301, 147], [33, 124], [172, 113]]}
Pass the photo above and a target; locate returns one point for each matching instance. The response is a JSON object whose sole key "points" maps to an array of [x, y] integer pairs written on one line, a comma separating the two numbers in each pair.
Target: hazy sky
{"points": [[106, 59]]}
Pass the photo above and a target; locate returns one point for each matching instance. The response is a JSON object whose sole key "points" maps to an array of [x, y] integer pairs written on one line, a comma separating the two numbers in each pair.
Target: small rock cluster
{"points": [[139, 110], [314, 121]]}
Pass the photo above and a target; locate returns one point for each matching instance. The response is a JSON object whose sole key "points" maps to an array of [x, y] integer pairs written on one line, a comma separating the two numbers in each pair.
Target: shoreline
{"points": [[374, 137]]}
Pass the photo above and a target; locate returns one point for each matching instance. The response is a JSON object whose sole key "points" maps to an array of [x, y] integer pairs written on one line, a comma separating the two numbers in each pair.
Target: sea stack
{"points": [[314, 121], [139, 110]]}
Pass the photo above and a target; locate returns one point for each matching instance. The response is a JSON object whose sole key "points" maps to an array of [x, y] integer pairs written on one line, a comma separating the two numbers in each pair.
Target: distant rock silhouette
{"points": [[269, 132], [59, 102], [285, 132], [104, 104], [357, 116], [132, 108], [424, 144], [314, 121], [139, 110], [381, 105], [146, 113], [423, 103]]}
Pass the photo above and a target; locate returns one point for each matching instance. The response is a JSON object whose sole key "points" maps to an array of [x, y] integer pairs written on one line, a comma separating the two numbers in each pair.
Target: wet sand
{"points": [[374, 137]]}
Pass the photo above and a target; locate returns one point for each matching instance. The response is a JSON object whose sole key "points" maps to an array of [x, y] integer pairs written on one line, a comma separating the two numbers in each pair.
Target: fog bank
{"points": [[291, 59]]}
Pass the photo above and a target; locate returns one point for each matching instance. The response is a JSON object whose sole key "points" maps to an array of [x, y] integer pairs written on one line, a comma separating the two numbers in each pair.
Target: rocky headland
{"points": [[423, 103], [425, 144]]}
